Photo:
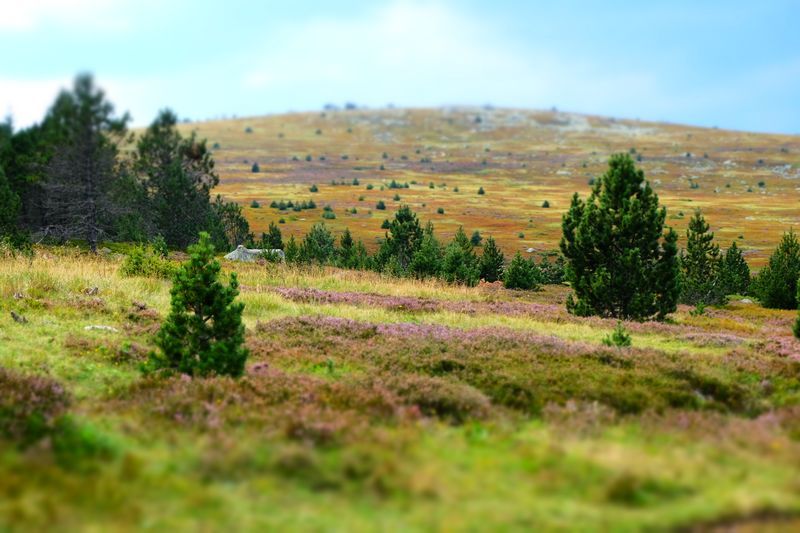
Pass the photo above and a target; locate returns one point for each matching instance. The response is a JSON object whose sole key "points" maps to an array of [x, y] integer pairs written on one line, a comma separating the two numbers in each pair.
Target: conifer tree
{"points": [[203, 334], [292, 250], [702, 281], [492, 261], [346, 253], [427, 260], [776, 284], [460, 264], [81, 175], [9, 208], [274, 237], [735, 272], [619, 262], [521, 274], [318, 246], [402, 240]]}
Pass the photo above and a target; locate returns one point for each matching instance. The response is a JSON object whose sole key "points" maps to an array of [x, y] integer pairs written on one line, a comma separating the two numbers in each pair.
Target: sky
{"points": [[731, 64]]}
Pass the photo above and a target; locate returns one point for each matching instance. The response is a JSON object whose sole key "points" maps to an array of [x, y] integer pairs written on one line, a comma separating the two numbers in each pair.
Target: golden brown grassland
{"points": [[745, 183]]}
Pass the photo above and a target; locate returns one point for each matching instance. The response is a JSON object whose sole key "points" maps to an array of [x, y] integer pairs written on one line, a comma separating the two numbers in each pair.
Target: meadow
{"points": [[374, 403], [745, 183]]}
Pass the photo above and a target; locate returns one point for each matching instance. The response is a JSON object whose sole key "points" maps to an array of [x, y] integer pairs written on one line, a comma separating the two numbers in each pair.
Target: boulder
{"points": [[252, 254]]}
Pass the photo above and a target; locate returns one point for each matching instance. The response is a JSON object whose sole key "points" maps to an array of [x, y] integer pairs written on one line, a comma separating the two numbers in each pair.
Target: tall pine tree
{"points": [[427, 260], [81, 175], [701, 281], [619, 262]]}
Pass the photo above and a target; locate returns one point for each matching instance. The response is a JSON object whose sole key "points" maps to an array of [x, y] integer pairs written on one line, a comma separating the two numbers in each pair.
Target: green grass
{"points": [[337, 426]]}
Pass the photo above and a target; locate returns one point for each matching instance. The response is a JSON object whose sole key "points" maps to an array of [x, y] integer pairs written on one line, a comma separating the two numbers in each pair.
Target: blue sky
{"points": [[732, 64]]}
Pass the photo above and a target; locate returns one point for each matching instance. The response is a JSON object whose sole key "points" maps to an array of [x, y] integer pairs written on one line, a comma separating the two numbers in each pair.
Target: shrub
{"points": [[385, 224], [552, 272], [440, 210], [309, 158], [159, 246], [380, 205], [255, 168], [203, 333], [545, 204], [370, 186], [639, 281], [145, 261], [619, 337], [481, 191], [396, 198], [476, 238], [521, 274], [314, 188], [776, 284], [254, 204], [248, 129], [329, 215]]}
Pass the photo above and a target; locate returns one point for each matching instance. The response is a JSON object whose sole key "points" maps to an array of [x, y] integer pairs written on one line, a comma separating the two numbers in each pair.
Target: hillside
{"points": [[745, 183]]}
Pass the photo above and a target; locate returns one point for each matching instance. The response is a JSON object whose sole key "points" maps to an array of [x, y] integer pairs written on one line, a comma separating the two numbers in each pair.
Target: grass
{"points": [[374, 403]]}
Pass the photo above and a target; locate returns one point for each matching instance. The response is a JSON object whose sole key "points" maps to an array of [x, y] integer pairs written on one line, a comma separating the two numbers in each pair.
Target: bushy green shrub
{"points": [[619, 337], [203, 333], [145, 261], [521, 274]]}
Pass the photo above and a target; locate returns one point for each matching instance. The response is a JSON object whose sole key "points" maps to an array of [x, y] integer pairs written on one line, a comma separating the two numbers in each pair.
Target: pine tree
{"points": [[776, 284], [318, 246], [492, 261], [701, 281], [82, 172], [616, 262], [292, 250], [274, 237], [347, 251], [521, 274], [476, 238], [735, 272], [402, 240], [177, 174], [9, 208], [427, 260], [460, 264], [203, 334]]}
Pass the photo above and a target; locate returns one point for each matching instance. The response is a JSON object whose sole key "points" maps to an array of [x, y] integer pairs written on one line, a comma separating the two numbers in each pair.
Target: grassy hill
{"points": [[745, 183], [373, 403]]}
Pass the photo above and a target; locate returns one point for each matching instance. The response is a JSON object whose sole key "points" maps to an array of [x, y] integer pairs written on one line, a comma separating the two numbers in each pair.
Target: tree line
{"points": [[80, 175]]}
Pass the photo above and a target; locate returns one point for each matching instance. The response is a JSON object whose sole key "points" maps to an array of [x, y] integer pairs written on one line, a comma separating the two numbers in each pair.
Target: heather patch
{"points": [[523, 370]]}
